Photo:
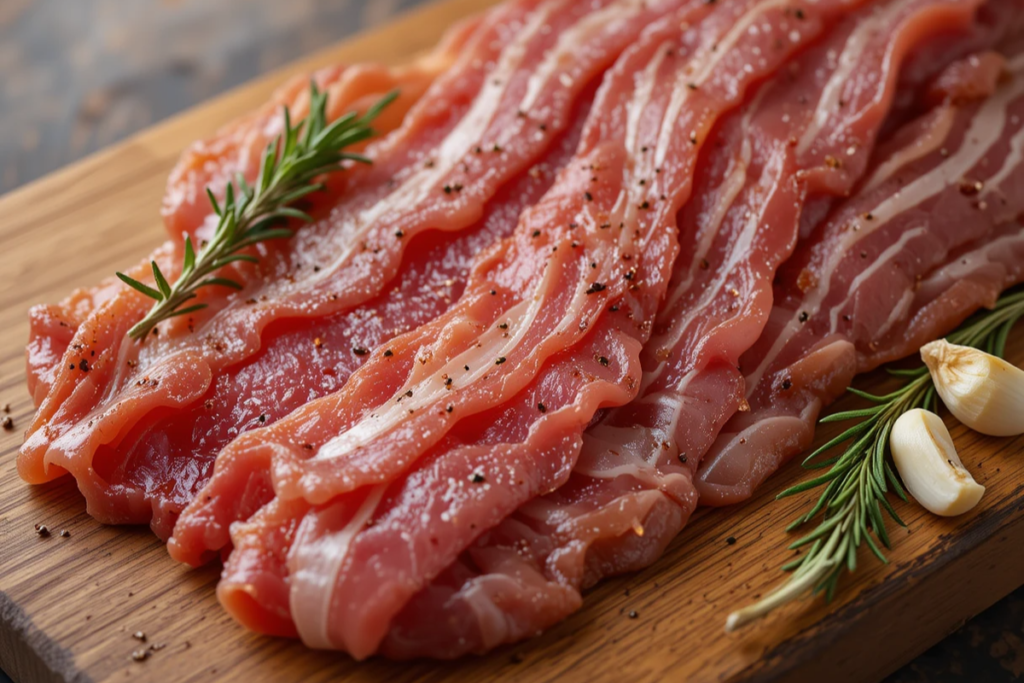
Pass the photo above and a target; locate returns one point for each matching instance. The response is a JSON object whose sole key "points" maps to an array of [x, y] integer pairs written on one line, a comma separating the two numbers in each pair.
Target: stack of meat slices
{"points": [[610, 261]]}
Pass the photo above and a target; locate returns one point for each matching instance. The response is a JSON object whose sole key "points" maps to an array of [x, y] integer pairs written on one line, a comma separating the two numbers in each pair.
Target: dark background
{"points": [[77, 75]]}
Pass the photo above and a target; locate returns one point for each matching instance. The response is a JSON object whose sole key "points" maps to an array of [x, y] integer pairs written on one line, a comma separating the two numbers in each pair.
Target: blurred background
{"points": [[78, 75]]}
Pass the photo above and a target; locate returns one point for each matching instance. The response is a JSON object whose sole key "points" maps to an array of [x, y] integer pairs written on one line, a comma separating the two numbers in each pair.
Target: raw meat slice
{"points": [[631, 491], [381, 535], [172, 459], [854, 297], [623, 18], [236, 149], [465, 135]]}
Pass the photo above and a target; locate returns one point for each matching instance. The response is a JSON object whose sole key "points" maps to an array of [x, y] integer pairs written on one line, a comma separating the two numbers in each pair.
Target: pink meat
{"points": [[588, 263], [172, 459], [210, 164], [854, 296], [631, 490], [236, 149], [466, 135]]}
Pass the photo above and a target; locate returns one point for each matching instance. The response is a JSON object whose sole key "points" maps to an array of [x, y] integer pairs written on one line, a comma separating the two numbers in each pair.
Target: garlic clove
{"points": [[982, 391], [929, 466]]}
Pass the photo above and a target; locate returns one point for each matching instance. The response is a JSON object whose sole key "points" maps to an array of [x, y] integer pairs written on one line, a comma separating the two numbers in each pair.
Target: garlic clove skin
{"points": [[927, 462], [982, 391]]}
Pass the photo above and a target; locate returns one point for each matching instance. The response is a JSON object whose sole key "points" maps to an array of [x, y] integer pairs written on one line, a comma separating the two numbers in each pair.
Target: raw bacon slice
{"points": [[375, 537], [466, 135], [623, 19], [851, 298], [172, 459], [631, 490], [236, 149]]}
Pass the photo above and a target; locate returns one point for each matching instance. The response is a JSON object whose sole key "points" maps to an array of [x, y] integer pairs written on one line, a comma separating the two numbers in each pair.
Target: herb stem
{"points": [[291, 168], [858, 481]]}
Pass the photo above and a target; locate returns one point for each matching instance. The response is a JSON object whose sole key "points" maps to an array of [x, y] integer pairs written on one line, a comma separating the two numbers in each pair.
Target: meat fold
{"points": [[631, 490], [903, 262], [212, 163], [598, 241], [236, 148], [458, 148], [386, 496]]}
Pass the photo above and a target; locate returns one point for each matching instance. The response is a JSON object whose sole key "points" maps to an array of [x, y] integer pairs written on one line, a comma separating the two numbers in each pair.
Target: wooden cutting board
{"points": [[69, 606]]}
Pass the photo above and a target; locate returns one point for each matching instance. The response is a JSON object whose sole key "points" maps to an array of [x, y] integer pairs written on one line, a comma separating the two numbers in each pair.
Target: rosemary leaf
{"points": [[859, 480], [290, 169]]}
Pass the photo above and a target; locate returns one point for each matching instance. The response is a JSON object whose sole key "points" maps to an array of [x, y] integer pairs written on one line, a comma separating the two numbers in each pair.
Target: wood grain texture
{"points": [[69, 606]]}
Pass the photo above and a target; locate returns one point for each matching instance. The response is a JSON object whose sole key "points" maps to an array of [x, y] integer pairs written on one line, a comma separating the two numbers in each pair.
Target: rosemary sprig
{"points": [[858, 481], [290, 168]]}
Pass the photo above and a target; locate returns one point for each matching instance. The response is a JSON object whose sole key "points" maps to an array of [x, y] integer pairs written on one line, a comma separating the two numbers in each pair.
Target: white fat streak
{"points": [[922, 147], [848, 62], [480, 357], [315, 576], [1013, 160], [985, 130], [899, 310], [734, 182], [705, 65], [1016, 155], [604, 438], [569, 43], [971, 262], [424, 181], [642, 97], [885, 258]]}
